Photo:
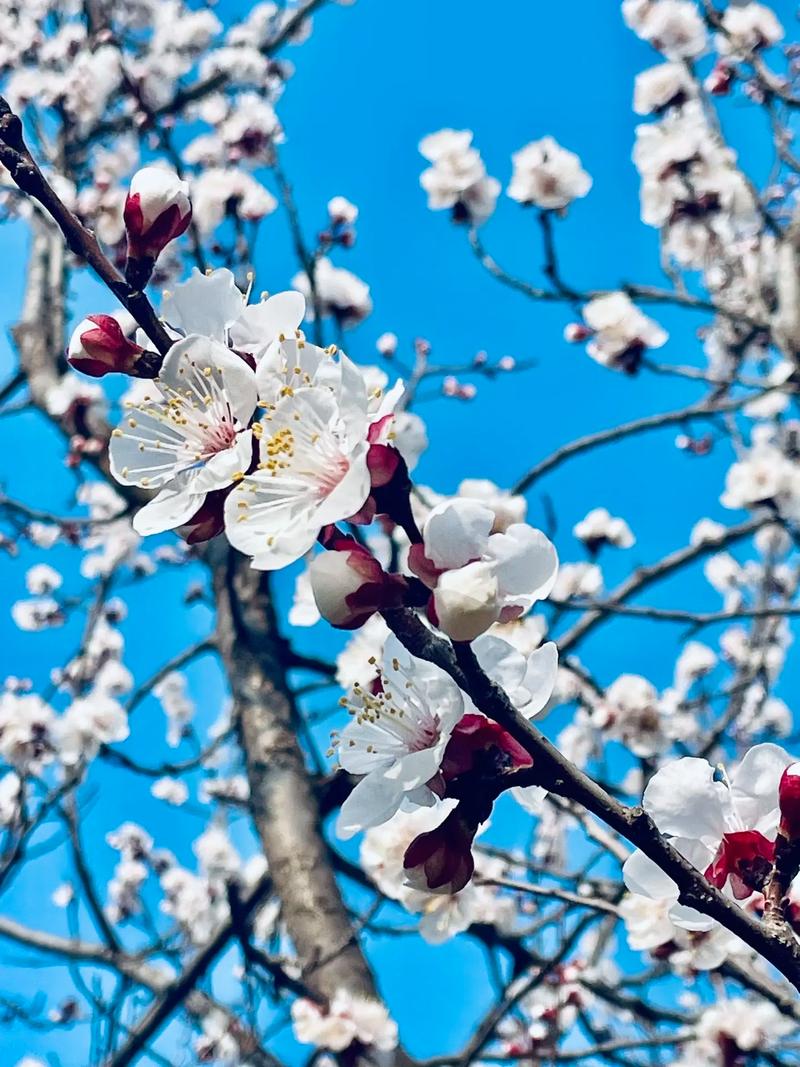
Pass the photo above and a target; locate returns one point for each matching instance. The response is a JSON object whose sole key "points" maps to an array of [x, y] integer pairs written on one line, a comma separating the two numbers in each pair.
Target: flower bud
{"points": [[387, 344], [440, 860], [466, 601], [157, 210], [719, 81], [789, 802], [98, 346], [349, 585], [575, 332]]}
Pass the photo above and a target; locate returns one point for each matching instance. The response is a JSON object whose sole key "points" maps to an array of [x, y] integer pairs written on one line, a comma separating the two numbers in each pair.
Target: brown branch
{"points": [[27, 176], [647, 294], [197, 1003], [174, 994], [284, 807], [702, 410], [694, 619], [643, 577], [554, 772]]}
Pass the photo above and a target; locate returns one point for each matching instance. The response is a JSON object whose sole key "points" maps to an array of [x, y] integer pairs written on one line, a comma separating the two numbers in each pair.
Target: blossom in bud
{"points": [[719, 81], [349, 585], [480, 577], [466, 601], [440, 860], [157, 210], [789, 802], [98, 346], [341, 212], [387, 344], [575, 332]]}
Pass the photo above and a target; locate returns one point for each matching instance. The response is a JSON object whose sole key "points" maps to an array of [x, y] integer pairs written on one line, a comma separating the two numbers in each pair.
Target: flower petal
{"points": [[684, 800], [261, 324], [205, 304], [171, 508], [456, 532], [540, 677], [373, 801], [527, 562], [754, 786]]}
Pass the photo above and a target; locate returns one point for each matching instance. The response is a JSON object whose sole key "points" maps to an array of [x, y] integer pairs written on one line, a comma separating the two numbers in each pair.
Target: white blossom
{"points": [[547, 175], [457, 176]]}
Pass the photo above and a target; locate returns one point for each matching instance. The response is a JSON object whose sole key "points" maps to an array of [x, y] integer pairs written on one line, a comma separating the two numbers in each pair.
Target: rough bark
{"points": [[284, 807]]}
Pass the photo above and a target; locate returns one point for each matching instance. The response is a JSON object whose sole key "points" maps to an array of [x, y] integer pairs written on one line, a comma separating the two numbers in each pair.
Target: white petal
{"points": [[206, 304], [351, 493], [754, 786], [527, 562], [222, 468], [540, 678], [170, 509], [456, 532], [690, 919], [416, 768], [646, 878], [501, 661], [684, 800], [261, 324], [373, 801], [529, 797]]}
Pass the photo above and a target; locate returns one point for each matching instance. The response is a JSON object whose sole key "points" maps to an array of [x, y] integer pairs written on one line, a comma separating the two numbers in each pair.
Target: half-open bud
{"points": [[98, 346], [466, 601], [720, 80], [349, 585], [440, 860], [157, 210], [789, 802]]}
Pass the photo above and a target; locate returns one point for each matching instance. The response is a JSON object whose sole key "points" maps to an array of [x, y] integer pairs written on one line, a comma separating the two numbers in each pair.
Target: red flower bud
{"points": [[574, 332], [157, 210], [789, 802], [98, 346], [440, 861], [349, 585], [719, 81]]}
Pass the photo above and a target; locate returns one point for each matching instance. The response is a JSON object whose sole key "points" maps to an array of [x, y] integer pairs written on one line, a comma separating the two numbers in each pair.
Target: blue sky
{"points": [[373, 80]]}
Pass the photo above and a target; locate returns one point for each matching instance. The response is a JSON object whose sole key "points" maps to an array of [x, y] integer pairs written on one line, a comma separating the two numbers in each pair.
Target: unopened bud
{"points": [[387, 344], [341, 212], [575, 332], [789, 802], [466, 602], [440, 861], [98, 346], [719, 81], [349, 585], [157, 210]]}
